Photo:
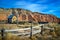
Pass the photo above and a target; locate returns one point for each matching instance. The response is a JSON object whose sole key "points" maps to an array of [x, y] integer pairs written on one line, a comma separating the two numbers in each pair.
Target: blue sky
{"points": [[43, 6]]}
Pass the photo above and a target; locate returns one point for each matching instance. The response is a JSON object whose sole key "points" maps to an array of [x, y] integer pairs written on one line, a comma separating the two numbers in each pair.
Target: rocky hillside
{"points": [[26, 15]]}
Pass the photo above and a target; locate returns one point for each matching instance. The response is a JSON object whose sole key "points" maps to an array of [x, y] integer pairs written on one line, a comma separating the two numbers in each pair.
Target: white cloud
{"points": [[20, 3], [30, 6], [42, 1], [51, 10], [36, 7]]}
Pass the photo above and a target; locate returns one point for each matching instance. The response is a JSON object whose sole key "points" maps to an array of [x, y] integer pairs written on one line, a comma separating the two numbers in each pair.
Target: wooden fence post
{"points": [[42, 30], [2, 33], [31, 31]]}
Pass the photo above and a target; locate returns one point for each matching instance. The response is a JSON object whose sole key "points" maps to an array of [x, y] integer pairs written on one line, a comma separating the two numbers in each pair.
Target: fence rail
{"points": [[27, 32]]}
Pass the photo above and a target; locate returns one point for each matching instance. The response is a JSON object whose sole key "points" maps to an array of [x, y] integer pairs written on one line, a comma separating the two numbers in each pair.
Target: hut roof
{"points": [[10, 16]]}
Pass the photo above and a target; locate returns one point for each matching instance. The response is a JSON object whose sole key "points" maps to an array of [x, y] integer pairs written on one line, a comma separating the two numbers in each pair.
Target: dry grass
{"points": [[55, 35]]}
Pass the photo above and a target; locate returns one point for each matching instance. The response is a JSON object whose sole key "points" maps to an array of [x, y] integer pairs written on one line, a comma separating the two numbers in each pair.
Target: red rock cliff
{"points": [[26, 15]]}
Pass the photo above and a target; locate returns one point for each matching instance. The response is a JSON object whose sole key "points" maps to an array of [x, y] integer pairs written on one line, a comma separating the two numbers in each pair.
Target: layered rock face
{"points": [[26, 15], [36, 17]]}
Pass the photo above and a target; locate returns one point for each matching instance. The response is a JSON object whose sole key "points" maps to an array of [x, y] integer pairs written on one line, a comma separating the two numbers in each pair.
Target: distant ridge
{"points": [[27, 15]]}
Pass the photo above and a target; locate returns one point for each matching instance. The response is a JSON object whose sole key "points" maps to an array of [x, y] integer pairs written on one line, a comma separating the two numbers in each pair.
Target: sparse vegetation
{"points": [[55, 35]]}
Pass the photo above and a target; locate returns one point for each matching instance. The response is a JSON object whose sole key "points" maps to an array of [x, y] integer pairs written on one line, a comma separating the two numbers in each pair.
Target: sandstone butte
{"points": [[26, 15]]}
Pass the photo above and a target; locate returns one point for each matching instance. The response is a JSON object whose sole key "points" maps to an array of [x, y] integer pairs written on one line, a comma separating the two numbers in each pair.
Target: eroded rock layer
{"points": [[26, 15]]}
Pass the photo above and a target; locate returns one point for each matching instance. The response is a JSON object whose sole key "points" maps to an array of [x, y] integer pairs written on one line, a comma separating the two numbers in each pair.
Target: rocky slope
{"points": [[26, 15]]}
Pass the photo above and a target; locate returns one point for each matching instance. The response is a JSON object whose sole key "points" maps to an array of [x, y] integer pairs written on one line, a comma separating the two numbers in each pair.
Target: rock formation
{"points": [[26, 15]]}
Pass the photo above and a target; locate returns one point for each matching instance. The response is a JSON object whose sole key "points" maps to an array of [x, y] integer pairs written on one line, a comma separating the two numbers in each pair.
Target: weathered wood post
{"points": [[2, 33], [41, 30], [31, 30]]}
